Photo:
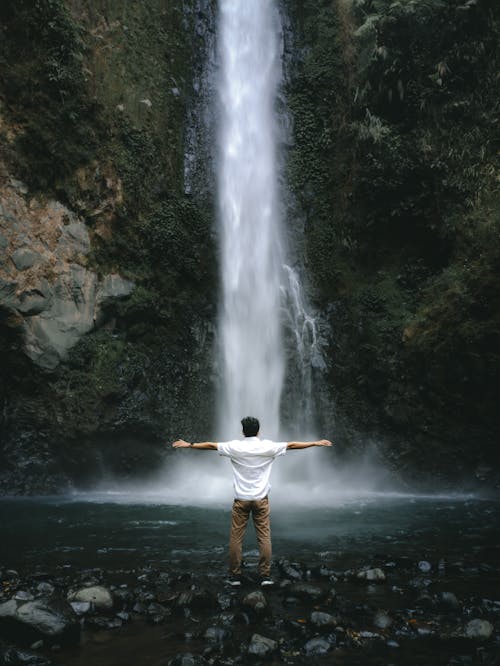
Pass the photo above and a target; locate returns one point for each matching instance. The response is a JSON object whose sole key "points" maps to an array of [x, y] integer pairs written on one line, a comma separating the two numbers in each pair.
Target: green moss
{"points": [[394, 167], [44, 92]]}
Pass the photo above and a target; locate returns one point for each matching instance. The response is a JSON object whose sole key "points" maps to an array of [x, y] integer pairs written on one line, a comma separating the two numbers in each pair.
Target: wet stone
{"points": [[16, 657], [448, 600], [242, 619], [478, 629], [43, 618], [196, 599], [216, 634], [96, 594], [374, 574], [424, 566], [290, 571], [382, 620], [261, 646], [317, 646], [305, 591], [22, 595], [320, 619], [224, 601], [81, 607], [256, 600], [139, 608]]}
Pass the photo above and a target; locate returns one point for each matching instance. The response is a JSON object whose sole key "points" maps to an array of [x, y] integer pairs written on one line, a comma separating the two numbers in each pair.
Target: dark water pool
{"points": [[459, 536], [101, 528]]}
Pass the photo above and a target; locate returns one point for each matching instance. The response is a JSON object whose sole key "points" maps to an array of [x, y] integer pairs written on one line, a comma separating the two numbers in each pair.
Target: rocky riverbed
{"points": [[379, 612]]}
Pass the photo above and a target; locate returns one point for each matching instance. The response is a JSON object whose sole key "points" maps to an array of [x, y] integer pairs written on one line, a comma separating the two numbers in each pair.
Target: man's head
{"points": [[250, 426]]}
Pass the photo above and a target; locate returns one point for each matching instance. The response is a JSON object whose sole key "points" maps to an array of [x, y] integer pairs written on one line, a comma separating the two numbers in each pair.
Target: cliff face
{"points": [[395, 163], [107, 277], [108, 269]]}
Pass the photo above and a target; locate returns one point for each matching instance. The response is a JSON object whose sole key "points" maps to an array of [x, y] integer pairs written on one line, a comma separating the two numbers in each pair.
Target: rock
{"points": [[290, 571], [216, 634], [22, 595], [426, 600], [375, 574], [25, 258], [224, 601], [29, 621], [256, 600], [123, 615], [478, 629], [35, 301], [58, 299], [187, 659], [261, 646], [320, 619], [316, 646], [76, 237], [305, 591], [17, 657], [45, 588], [98, 595], [424, 566], [369, 635], [113, 288], [80, 607], [196, 599], [382, 620], [448, 600], [8, 289]]}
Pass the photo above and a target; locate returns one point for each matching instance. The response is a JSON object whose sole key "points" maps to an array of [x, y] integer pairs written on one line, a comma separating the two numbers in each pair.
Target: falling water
{"points": [[252, 254]]}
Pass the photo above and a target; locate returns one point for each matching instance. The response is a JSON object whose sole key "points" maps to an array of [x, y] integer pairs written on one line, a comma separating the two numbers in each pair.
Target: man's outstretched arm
{"points": [[207, 446], [307, 445]]}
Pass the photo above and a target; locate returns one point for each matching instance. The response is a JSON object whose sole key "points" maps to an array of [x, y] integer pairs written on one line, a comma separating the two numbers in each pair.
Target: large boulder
{"points": [[52, 620], [97, 595], [44, 278]]}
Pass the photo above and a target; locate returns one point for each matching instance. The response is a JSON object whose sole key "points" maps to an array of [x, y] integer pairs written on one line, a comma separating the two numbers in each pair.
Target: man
{"points": [[251, 459]]}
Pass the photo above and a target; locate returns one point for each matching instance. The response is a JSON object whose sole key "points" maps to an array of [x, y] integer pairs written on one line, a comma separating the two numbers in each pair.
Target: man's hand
{"points": [[324, 442], [181, 444]]}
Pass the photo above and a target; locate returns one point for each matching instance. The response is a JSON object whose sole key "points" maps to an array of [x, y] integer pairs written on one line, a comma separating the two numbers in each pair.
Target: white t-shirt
{"points": [[252, 459]]}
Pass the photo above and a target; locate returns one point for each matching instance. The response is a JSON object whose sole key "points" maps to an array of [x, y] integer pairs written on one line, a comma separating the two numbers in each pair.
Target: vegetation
{"points": [[92, 109], [395, 165]]}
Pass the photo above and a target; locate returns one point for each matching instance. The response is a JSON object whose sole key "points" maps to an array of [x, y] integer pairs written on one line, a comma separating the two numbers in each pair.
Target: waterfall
{"points": [[251, 338]]}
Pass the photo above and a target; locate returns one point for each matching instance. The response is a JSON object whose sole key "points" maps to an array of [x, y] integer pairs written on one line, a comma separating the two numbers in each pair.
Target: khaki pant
{"points": [[260, 513]]}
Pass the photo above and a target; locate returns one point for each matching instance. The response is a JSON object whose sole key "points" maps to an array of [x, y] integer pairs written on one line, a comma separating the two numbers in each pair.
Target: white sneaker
{"points": [[266, 582]]}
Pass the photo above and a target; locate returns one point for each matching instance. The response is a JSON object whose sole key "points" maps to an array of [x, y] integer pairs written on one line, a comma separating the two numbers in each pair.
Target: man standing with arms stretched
{"points": [[251, 459]]}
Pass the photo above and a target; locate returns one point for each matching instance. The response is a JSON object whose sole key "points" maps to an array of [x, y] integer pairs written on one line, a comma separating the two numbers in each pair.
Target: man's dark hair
{"points": [[251, 426]]}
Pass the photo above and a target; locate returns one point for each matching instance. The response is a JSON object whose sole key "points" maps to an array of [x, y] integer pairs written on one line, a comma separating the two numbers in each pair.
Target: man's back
{"points": [[251, 459]]}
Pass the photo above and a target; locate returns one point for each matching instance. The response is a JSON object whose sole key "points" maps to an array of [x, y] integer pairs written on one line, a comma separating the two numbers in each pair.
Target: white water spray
{"points": [[251, 345]]}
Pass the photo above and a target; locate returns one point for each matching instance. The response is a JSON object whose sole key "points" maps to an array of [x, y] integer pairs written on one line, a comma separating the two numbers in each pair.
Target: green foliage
{"points": [[43, 88], [395, 167]]}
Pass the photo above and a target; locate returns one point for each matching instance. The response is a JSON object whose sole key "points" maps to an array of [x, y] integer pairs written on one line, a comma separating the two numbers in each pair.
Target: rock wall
{"points": [[107, 275], [108, 268], [395, 166]]}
